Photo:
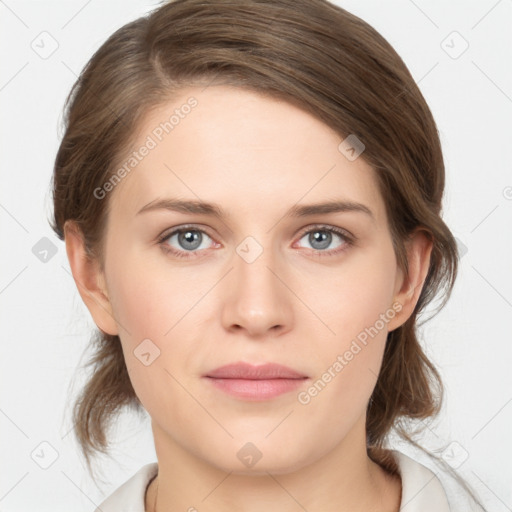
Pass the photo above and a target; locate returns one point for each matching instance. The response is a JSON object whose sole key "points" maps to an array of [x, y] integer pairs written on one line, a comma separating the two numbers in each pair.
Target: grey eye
{"points": [[321, 239], [188, 240]]}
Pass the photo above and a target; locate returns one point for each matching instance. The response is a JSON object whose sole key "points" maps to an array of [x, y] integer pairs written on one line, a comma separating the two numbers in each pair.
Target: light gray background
{"points": [[45, 327]]}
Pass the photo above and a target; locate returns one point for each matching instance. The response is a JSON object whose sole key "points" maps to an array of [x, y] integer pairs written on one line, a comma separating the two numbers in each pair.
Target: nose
{"points": [[257, 299]]}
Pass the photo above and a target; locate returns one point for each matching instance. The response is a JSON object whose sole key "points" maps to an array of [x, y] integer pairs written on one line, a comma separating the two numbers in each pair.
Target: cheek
{"points": [[348, 367], [149, 297], [156, 309], [353, 297], [356, 305]]}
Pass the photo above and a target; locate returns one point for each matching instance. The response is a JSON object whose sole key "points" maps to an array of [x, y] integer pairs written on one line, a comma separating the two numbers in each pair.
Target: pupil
{"points": [[320, 239], [190, 239]]}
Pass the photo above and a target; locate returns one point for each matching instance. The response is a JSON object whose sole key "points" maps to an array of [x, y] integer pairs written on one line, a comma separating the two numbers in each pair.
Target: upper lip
{"points": [[243, 370]]}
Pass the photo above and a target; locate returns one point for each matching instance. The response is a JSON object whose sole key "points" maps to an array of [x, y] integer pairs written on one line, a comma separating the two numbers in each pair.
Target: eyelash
{"points": [[348, 240]]}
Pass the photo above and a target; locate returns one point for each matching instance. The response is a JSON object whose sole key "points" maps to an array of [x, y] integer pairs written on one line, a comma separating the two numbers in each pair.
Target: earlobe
{"points": [[407, 291], [89, 279]]}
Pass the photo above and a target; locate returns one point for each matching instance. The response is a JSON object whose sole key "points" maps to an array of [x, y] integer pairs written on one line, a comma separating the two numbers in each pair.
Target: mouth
{"points": [[255, 383]]}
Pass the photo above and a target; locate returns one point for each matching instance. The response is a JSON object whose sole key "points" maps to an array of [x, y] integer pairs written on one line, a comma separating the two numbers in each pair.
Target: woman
{"points": [[250, 196]]}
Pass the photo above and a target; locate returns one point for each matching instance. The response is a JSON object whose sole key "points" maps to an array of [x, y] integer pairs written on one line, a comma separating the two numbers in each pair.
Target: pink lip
{"points": [[255, 382]]}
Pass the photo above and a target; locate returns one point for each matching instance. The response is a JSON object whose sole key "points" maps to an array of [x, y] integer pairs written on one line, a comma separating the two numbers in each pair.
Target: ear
{"points": [[89, 279], [407, 291]]}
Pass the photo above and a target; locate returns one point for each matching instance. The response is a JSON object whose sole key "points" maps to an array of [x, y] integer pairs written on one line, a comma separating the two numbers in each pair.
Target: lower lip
{"points": [[256, 389]]}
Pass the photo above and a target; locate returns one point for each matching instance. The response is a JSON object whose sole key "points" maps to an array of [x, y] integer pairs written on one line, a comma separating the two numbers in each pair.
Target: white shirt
{"points": [[421, 489]]}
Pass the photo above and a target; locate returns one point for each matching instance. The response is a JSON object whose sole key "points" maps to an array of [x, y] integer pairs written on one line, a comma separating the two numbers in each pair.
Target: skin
{"points": [[295, 304]]}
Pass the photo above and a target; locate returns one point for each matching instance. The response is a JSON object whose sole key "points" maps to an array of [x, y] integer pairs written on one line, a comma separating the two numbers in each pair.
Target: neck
{"points": [[344, 479]]}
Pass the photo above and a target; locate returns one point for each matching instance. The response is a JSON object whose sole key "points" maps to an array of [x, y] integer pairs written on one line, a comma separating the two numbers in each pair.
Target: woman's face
{"points": [[261, 273]]}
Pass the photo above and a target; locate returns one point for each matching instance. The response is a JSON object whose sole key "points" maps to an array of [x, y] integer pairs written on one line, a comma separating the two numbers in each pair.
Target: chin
{"points": [[258, 458]]}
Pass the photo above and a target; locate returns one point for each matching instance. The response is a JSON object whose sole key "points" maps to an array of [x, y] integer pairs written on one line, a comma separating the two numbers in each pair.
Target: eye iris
{"points": [[190, 239], [321, 238]]}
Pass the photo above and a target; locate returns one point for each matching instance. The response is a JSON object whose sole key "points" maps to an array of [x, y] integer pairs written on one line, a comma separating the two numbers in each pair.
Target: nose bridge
{"points": [[257, 299]]}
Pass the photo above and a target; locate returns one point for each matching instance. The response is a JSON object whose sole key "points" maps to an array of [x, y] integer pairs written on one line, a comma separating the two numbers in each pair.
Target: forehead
{"points": [[241, 149]]}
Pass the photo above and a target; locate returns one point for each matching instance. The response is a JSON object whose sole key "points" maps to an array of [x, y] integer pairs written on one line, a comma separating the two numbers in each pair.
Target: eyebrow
{"points": [[214, 210]]}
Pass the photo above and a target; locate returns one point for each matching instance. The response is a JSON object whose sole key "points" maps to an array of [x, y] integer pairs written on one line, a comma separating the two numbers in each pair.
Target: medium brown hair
{"points": [[314, 55]]}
